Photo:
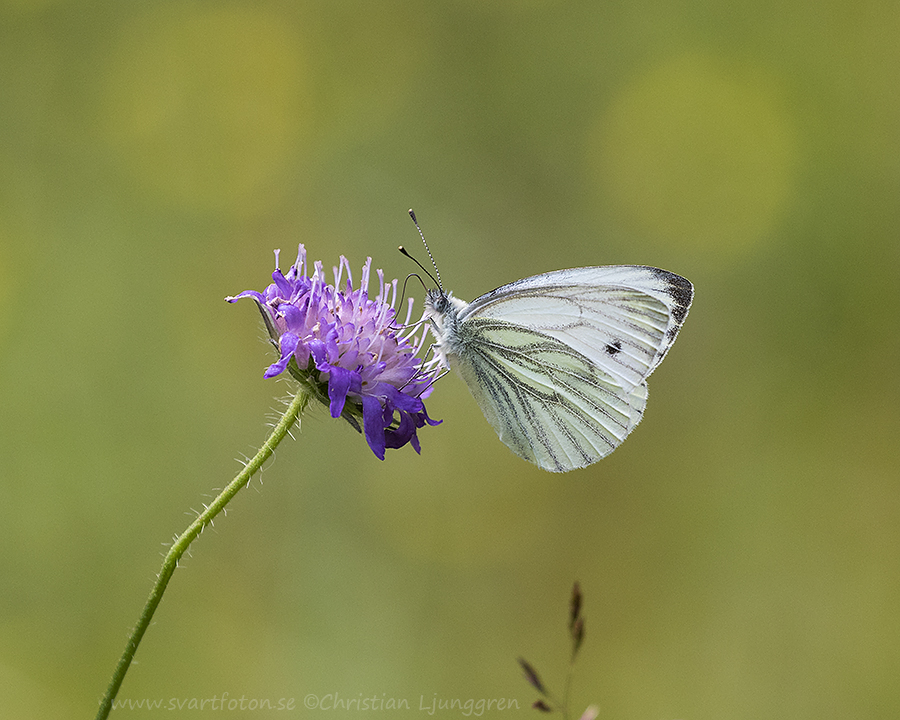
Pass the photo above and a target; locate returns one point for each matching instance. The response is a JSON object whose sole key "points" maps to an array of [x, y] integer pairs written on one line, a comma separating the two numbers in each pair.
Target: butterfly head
{"points": [[441, 306], [437, 302]]}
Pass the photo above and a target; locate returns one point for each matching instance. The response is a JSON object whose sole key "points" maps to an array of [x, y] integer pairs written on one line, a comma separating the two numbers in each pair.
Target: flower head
{"points": [[348, 349]]}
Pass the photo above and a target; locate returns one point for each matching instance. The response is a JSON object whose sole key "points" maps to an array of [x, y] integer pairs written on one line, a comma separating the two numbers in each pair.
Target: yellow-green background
{"points": [[740, 554]]}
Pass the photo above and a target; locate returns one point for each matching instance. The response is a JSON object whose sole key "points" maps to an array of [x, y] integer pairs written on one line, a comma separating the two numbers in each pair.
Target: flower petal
{"points": [[405, 431], [282, 283], [288, 344], [338, 385], [294, 317], [247, 293], [373, 425]]}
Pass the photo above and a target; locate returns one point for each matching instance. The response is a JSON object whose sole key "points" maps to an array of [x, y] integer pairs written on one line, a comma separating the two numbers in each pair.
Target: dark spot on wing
{"points": [[614, 347]]}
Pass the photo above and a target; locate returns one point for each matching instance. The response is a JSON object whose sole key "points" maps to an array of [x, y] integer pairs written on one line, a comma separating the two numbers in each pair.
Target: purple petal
{"points": [[349, 359], [284, 286], [373, 425], [293, 316], [324, 349], [402, 401], [338, 385], [302, 355], [404, 432], [250, 294], [318, 352], [424, 415], [288, 345]]}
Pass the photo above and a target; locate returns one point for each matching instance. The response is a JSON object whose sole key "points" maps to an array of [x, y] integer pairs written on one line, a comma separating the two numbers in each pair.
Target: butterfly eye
{"points": [[438, 301]]}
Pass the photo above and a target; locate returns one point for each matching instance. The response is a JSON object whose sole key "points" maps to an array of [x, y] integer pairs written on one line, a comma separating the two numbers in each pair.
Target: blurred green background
{"points": [[739, 555]]}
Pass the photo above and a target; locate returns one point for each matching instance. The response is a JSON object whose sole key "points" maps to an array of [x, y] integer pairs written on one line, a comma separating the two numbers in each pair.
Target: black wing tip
{"points": [[682, 293], [680, 289]]}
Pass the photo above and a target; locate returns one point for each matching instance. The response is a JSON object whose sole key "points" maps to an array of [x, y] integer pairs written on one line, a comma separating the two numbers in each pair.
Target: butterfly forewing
{"points": [[622, 317]]}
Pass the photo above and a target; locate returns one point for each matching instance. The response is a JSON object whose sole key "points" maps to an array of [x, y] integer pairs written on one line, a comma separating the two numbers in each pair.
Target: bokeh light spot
{"points": [[696, 154]]}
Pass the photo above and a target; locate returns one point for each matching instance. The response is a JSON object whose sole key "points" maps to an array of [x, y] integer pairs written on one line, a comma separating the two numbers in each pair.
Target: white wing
{"points": [[558, 362]]}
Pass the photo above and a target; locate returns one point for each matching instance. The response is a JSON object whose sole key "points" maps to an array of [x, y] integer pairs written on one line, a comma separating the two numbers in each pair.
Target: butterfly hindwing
{"points": [[548, 402]]}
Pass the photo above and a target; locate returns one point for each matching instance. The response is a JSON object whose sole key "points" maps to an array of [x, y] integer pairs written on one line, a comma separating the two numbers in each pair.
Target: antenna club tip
{"points": [[412, 215]]}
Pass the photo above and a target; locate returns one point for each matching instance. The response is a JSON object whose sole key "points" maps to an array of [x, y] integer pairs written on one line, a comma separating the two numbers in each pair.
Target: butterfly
{"points": [[558, 363]]}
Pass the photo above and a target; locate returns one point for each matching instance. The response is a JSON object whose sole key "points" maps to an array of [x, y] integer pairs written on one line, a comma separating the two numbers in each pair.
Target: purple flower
{"points": [[348, 350]]}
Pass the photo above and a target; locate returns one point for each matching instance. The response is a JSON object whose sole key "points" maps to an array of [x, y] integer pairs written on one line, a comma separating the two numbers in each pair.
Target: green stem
{"points": [[566, 691], [187, 537]]}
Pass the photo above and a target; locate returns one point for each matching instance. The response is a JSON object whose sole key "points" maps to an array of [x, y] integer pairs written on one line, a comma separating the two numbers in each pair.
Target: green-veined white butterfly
{"points": [[558, 363]]}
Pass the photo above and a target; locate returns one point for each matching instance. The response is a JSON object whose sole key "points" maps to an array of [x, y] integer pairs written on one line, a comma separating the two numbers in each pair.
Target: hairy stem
{"points": [[180, 545]]}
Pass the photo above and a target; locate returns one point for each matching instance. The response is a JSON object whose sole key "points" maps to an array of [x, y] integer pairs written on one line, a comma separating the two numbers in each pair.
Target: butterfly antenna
{"points": [[427, 249], [403, 293]]}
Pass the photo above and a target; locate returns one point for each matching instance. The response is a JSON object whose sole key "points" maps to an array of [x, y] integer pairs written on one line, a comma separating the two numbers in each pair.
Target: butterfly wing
{"points": [[558, 362]]}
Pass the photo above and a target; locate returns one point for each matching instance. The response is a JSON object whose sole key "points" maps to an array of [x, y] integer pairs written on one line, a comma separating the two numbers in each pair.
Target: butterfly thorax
{"points": [[442, 311]]}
